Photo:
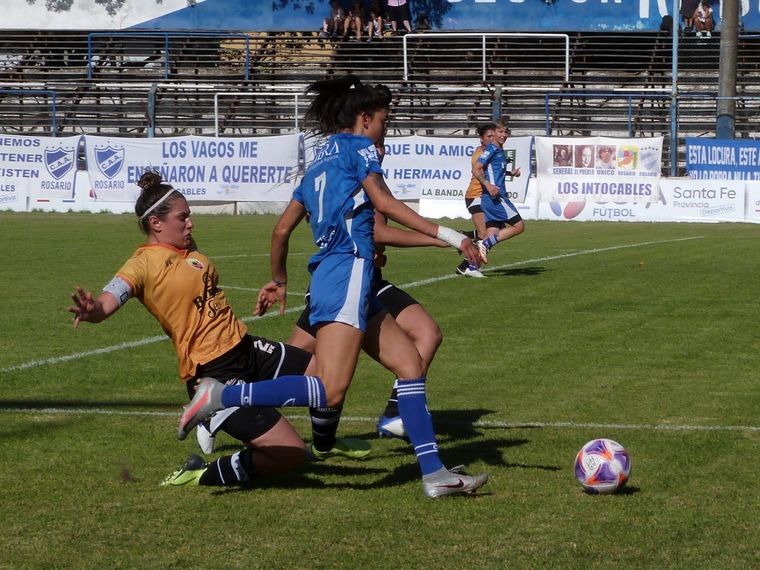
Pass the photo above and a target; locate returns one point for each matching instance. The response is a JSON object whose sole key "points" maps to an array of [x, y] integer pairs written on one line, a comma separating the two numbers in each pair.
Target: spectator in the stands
{"points": [[376, 20], [423, 23], [354, 21], [332, 27], [399, 13], [703, 19], [687, 13]]}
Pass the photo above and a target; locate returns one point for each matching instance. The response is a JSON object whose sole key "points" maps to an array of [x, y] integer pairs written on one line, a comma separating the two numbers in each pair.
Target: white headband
{"points": [[157, 203]]}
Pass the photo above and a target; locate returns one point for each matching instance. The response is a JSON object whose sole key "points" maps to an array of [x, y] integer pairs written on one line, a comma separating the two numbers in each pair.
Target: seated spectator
{"points": [[375, 24], [423, 23], [333, 23], [354, 21], [398, 12], [703, 19]]}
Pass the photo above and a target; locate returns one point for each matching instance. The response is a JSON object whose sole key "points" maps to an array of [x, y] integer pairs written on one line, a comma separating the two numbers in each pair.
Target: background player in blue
{"points": [[503, 221], [340, 191]]}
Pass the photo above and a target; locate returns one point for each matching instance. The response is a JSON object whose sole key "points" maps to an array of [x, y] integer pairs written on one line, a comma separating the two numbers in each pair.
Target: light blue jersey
{"points": [[499, 209], [340, 213], [342, 220]]}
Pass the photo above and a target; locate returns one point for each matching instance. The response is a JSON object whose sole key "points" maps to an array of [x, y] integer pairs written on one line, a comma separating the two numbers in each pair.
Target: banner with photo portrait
{"points": [[202, 168], [598, 169], [39, 168]]}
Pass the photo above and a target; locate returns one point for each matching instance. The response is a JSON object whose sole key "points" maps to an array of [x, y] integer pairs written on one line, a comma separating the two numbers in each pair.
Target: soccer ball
{"points": [[602, 466]]}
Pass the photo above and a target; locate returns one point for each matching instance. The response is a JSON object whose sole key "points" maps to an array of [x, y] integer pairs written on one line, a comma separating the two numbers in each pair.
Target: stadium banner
{"points": [[38, 168], [752, 208], [439, 168], [723, 159], [580, 169], [202, 168], [679, 200], [443, 208]]}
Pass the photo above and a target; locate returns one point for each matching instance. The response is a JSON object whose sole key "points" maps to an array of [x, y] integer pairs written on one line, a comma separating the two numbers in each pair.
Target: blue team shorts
{"points": [[341, 291], [500, 210]]}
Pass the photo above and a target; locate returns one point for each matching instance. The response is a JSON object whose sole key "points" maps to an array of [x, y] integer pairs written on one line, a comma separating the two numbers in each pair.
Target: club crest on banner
{"points": [[59, 161], [110, 160]]}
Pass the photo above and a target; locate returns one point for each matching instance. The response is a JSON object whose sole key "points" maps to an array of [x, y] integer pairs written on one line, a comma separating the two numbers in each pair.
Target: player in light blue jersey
{"points": [[503, 221], [410, 315], [340, 192]]}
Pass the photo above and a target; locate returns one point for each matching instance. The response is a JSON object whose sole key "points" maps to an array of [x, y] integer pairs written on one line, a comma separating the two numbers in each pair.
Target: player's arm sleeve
{"points": [[298, 193], [367, 162], [129, 280], [120, 289]]}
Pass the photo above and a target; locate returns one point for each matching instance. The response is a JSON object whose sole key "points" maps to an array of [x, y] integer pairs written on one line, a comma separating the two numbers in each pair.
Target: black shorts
{"points": [[399, 13], [254, 358], [473, 205], [393, 300]]}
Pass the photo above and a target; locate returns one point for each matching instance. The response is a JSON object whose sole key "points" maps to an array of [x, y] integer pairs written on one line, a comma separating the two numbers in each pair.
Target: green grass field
{"points": [[643, 333]]}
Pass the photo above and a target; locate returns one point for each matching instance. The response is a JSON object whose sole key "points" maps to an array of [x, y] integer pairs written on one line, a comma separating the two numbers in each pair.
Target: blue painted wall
{"points": [[481, 15]]}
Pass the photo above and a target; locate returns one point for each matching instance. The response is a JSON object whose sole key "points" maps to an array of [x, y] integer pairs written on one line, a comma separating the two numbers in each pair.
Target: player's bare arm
{"points": [[276, 289], [388, 205], [86, 308]]}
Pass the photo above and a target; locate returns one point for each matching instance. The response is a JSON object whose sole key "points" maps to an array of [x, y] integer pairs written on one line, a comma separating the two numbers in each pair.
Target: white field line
{"points": [[452, 275], [485, 424], [255, 289]]}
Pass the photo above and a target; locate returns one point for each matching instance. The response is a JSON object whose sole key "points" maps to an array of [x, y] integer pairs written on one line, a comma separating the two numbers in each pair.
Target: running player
{"points": [[503, 221], [473, 196]]}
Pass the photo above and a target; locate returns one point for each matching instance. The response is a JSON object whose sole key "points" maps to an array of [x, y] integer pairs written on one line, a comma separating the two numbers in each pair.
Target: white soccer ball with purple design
{"points": [[602, 466]]}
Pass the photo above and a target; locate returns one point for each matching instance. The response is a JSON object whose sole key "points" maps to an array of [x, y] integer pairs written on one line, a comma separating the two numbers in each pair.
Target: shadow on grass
{"points": [[461, 443], [516, 272]]}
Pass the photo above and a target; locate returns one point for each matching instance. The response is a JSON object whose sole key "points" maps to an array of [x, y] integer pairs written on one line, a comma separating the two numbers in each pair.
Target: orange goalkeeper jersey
{"points": [[475, 189], [179, 288]]}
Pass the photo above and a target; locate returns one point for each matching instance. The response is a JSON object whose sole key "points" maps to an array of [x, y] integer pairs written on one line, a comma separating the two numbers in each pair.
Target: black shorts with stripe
{"points": [[254, 358]]}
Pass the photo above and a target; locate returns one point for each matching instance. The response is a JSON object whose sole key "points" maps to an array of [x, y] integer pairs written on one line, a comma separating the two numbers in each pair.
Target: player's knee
{"points": [[285, 457], [334, 396], [292, 457], [436, 337]]}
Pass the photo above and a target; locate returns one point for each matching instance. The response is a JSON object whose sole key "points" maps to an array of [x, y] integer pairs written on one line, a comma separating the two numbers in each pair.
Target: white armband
{"points": [[120, 289], [451, 237]]}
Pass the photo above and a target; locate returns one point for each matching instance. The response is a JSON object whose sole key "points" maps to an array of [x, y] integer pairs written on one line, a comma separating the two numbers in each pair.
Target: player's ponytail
{"points": [[338, 102], [153, 199]]}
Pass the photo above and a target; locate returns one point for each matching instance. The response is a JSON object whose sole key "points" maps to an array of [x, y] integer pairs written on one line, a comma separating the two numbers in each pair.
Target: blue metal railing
{"points": [[166, 36]]}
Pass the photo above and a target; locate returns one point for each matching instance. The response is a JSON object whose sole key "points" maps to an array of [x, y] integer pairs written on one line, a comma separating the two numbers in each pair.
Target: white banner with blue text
{"points": [[598, 168], [202, 168], [439, 168], [38, 168]]}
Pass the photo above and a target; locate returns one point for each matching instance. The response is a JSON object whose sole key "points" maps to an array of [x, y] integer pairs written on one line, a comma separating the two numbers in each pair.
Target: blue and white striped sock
{"points": [[491, 241], [283, 391], [412, 405]]}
